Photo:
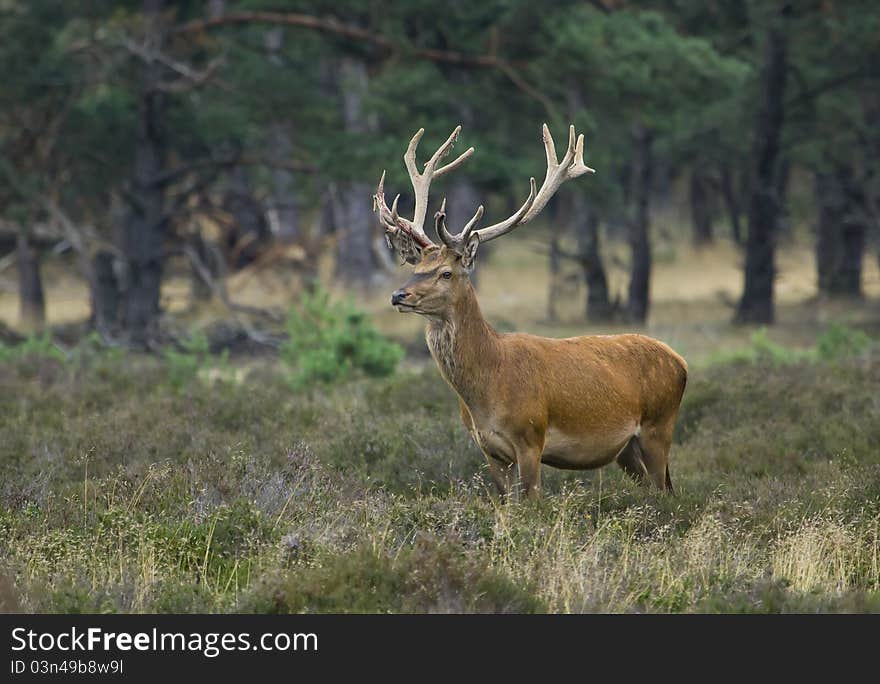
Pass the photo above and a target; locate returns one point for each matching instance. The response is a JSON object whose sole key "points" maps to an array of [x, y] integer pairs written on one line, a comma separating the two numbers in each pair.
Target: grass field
{"points": [[123, 491], [127, 484]]}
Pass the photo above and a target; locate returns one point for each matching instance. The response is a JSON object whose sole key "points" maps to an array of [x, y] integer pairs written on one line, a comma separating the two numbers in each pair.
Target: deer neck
{"points": [[465, 347]]}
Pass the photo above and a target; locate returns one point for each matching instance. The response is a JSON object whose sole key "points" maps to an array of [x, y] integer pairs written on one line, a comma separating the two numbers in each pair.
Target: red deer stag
{"points": [[574, 403]]}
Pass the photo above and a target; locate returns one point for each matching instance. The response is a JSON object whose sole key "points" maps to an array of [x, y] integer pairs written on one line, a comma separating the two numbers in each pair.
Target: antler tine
{"points": [[461, 238], [465, 233], [549, 148], [578, 168], [380, 191], [409, 157], [499, 229], [443, 233], [451, 166], [380, 206], [392, 222], [442, 151], [571, 166], [421, 182]]}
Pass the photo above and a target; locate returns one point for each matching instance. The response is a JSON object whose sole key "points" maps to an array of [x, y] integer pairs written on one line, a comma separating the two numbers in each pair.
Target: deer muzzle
{"points": [[398, 297]]}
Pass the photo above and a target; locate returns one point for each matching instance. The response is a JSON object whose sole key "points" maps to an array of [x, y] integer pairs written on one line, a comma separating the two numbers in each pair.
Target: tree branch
{"points": [[219, 289], [190, 78], [337, 27], [178, 172], [328, 24]]}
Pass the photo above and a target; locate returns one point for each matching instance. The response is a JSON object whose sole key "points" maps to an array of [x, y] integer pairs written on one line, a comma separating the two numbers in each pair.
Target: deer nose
{"points": [[398, 296]]}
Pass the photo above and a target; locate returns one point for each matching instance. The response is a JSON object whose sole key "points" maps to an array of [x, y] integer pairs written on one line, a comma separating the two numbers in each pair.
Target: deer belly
{"points": [[592, 450]]}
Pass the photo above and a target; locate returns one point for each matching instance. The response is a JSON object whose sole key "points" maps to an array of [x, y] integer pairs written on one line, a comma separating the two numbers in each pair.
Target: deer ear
{"points": [[469, 253], [405, 246]]}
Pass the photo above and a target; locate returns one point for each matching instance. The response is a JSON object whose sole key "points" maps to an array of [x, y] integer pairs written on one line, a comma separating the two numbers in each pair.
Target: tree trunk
{"points": [[849, 277], [639, 224], [560, 222], [783, 175], [756, 305], [32, 302], [105, 294], [701, 210], [586, 229], [283, 210], [731, 201], [143, 230], [354, 222], [665, 174], [216, 8], [840, 245], [555, 267], [200, 291], [352, 210], [250, 231]]}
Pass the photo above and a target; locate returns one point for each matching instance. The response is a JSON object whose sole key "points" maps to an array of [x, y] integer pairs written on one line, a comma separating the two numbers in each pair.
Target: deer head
{"points": [[442, 268]]}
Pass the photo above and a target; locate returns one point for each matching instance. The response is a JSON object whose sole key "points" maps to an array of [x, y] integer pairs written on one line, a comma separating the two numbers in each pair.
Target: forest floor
{"points": [[124, 489]]}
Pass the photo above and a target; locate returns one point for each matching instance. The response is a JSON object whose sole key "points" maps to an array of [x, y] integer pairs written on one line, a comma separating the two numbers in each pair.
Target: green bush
{"points": [[34, 347], [328, 340], [766, 349], [194, 356], [839, 342]]}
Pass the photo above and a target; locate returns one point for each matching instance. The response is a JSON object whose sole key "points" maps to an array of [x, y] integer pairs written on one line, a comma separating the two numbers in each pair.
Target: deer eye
{"points": [[446, 275]]}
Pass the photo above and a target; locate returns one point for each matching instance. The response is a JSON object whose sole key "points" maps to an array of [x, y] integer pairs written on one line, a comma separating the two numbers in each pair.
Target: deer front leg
{"points": [[502, 473], [528, 463]]}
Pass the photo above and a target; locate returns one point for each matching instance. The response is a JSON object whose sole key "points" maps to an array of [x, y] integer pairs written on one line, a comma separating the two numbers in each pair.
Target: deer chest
{"points": [[441, 344]]}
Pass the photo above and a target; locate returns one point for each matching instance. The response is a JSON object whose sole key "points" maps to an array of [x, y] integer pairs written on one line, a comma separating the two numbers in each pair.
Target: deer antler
{"points": [[409, 236], [571, 166], [460, 240]]}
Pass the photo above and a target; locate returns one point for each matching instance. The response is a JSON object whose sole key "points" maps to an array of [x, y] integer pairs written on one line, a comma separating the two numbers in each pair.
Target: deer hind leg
{"points": [[631, 460], [646, 457], [655, 442]]}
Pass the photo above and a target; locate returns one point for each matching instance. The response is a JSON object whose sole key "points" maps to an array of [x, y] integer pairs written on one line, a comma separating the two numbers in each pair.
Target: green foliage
{"points": [[327, 341], [766, 350], [184, 365], [840, 342], [194, 358], [34, 348], [837, 342]]}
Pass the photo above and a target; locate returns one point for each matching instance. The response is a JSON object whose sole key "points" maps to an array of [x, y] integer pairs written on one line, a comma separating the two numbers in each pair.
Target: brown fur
{"points": [[574, 403]]}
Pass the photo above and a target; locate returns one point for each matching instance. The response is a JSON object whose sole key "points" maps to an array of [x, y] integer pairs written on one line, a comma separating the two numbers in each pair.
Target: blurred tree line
{"points": [[232, 132]]}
